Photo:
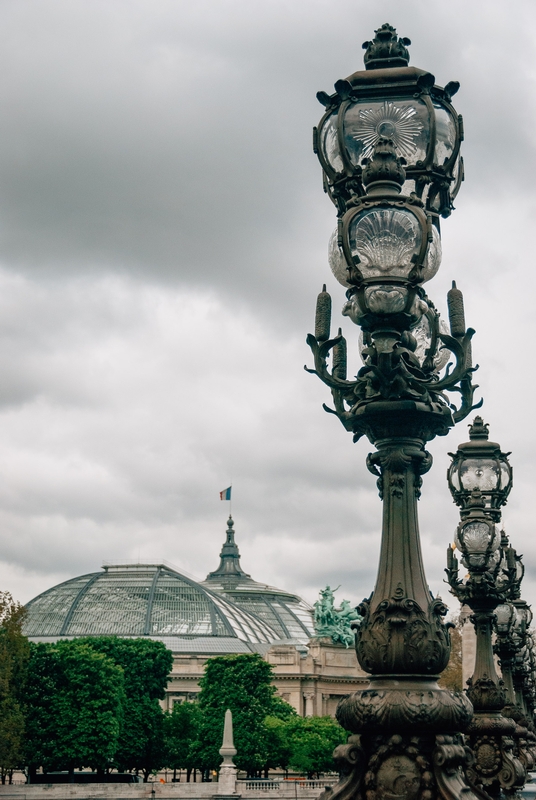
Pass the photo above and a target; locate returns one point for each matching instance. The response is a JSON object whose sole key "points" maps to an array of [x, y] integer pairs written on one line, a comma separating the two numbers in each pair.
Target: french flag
{"points": [[226, 494]]}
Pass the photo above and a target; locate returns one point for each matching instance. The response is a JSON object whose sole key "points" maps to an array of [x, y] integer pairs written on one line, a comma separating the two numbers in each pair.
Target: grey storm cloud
{"points": [[163, 235]]}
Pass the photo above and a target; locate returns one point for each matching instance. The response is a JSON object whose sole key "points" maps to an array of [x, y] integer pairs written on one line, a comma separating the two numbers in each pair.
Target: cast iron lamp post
{"points": [[513, 640], [389, 147], [480, 479]]}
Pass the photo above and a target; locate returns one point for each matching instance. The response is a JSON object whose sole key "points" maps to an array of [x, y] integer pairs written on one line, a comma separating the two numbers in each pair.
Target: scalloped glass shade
{"points": [[329, 143], [385, 240], [479, 473], [504, 614], [405, 122], [474, 537], [432, 260], [336, 259]]}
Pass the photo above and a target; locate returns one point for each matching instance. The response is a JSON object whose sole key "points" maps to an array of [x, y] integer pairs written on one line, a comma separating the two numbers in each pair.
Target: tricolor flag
{"points": [[226, 494]]}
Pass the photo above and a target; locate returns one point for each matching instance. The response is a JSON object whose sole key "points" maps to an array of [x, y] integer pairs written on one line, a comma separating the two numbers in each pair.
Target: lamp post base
{"points": [[405, 743]]}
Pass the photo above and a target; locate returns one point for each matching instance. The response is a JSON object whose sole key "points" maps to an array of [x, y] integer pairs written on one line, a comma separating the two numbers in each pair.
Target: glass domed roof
{"points": [[142, 600]]}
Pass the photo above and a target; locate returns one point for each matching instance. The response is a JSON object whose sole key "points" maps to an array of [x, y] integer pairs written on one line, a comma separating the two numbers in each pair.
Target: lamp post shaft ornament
{"points": [[389, 146]]}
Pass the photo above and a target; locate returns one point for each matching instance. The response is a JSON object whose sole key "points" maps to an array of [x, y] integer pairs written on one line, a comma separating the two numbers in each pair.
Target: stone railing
{"points": [[300, 789]]}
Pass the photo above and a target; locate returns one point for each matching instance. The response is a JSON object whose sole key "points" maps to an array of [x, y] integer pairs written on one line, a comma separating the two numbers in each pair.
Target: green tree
{"points": [[278, 743], [242, 683], [181, 728], [312, 741], [14, 656], [146, 665], [74, 704], [452, 676]]}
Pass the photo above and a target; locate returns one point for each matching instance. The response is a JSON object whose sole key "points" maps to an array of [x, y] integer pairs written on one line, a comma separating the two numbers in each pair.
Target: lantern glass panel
{"points": [[423, 335], [457, 173], [432, 261], [330, 144], [479, 473], [405, 122], [337, 261], [445, 135], [505, 475], [455, 477], [408, 187], [385, 240]]}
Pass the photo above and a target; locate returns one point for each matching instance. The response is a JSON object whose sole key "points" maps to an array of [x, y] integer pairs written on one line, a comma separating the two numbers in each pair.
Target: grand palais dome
{"points": [[228, 612]]}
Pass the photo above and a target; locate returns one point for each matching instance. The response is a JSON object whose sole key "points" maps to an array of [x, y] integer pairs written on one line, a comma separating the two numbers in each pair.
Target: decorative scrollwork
{"points": [[408, 708], [397, 461], [399, 637], [393, 372], [350, 760]]}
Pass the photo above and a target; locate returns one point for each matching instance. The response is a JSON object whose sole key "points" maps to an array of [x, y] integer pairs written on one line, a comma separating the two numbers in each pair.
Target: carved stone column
{"points": [[309, 704]]}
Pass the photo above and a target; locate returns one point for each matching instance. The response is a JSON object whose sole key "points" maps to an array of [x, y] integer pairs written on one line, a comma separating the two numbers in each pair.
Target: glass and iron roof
{"points": [[228, 612], [141, 600]]}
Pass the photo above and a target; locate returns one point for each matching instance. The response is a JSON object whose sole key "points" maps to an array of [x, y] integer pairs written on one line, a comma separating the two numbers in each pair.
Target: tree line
{"points": [[93, 703]]}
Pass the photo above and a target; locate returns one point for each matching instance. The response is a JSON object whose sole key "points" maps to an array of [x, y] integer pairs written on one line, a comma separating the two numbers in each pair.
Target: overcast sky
{"points": [[163, 237]]}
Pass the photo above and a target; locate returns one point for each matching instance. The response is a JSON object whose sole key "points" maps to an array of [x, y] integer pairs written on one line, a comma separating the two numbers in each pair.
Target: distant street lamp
{"points": [[480, 479], [389, 146]]}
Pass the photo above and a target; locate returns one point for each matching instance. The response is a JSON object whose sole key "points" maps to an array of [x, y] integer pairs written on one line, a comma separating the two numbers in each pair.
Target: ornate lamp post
{"points": [[480, 479], [512, 620], [389, 147]]}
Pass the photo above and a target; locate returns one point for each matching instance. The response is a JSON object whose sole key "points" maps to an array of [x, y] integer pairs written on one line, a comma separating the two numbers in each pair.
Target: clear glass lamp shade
{"points": [[385, 240], [337, 261], [329, 143], [478, 541], [525, 615], [479, 473], [506, 475], [432, 261], [474, 537], [454, 477], [404, 121], [445, 135], [504, 614]]}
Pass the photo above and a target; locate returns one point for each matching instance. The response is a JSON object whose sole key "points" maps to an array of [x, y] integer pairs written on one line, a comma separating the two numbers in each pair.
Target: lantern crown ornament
{"points": [[389, 99], [386, 49], [480, 465]]}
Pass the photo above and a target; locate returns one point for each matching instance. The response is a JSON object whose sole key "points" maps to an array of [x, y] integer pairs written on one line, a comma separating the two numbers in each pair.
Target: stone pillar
{"points": [[227, 775], [309, 703]]}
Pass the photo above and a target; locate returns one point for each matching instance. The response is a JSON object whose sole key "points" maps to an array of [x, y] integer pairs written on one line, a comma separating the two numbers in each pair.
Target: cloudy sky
{"points": [[163, 236]]}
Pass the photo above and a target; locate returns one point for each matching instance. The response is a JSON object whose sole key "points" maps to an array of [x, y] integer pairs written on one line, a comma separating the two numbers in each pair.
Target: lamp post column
{"points": [[389, 146]]}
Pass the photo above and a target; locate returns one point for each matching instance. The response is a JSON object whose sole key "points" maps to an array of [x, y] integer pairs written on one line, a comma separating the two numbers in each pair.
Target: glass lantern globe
{"points": [[386, 253], [505, 615], [480, 465], [385, 242], [524, 616], [391, 100], [479, 541]]}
